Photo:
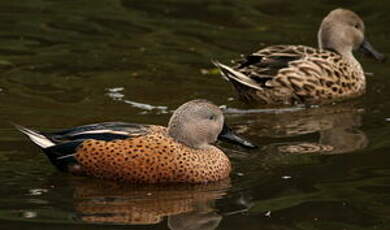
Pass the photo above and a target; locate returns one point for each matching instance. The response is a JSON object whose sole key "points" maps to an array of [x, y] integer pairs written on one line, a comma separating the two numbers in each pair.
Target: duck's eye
{"points": [[212, 117], [357, 26]]}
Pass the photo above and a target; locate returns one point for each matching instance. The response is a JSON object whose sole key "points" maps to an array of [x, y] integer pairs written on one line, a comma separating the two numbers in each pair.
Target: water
{"points": [[66, 63]]}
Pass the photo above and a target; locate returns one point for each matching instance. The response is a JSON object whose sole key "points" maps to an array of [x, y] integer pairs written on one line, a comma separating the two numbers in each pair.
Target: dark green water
{"points": [[66, 63]]}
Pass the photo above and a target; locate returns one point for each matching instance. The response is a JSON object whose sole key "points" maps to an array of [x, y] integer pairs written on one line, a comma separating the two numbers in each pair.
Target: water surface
{"points": [[66, 63]]}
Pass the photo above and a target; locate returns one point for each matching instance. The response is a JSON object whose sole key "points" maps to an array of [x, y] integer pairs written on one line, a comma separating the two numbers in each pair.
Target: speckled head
{"points": [[196, 123], [343, 31]]}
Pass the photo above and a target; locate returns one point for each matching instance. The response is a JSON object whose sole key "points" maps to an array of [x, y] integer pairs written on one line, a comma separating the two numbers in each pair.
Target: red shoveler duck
{"points": [[137, 153], [290, 74]]}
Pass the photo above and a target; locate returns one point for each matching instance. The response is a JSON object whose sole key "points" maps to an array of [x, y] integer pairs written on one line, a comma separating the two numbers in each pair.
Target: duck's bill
{"points": [[367, 49], [227, 135]]}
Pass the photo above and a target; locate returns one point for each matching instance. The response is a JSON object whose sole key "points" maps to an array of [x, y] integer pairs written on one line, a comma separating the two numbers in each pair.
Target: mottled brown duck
{"points": [[296, 74], [136, 153]]}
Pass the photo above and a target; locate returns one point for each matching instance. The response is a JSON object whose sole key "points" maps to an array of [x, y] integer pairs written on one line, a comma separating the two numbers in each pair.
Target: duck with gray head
{"points": [[291, 74], [136, 153]]}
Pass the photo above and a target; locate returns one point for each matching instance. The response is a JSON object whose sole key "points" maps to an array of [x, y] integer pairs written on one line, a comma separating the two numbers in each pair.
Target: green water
{"points": [[66, 63]]}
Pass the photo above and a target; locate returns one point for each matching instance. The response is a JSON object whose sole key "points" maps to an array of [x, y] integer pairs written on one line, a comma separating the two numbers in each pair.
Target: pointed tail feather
{"points": [[232, 75], [60, 154], [35, 137]]}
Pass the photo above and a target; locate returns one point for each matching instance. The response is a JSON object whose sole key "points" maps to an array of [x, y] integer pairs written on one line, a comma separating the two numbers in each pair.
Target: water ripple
{"points": [[116, 94]]}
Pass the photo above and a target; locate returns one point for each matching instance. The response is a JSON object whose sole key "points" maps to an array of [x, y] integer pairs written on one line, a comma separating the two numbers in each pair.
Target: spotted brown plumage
{"points": [[135, 153], [152, 158], [289, 74]]}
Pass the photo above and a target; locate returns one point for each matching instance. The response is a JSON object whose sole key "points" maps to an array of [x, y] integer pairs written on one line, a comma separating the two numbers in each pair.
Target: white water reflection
{"points": [[115, 94], [118, 95]]}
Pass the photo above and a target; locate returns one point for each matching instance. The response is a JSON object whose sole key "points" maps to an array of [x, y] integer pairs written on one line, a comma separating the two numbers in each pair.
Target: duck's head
{"points": [[199, 123], [343, 31]]}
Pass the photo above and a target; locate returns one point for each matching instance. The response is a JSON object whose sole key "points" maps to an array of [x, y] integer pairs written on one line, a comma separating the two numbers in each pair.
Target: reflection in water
{"points": [[117, 94], [337, 126], [202, 218], [186, 206]]}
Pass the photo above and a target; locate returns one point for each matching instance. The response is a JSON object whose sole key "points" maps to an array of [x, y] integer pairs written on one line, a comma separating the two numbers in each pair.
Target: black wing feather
{"points": [[265, 64], [62, 155], [109, 131], [115, 126]]}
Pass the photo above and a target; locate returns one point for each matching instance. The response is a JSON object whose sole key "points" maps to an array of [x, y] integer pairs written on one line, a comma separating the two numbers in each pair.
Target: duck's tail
{"points": [[232, 75], [39, 139], [60, 154]]}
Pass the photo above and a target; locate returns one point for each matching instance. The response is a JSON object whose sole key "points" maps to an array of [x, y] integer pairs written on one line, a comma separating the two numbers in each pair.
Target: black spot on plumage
{"points": [[250, 60], [328, 72], [329, 83], [296, 87], [308, 87]]}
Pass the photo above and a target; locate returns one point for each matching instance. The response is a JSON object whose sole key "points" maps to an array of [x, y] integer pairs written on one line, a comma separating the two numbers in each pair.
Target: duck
{"points": [[183, 152], [298, 74]]}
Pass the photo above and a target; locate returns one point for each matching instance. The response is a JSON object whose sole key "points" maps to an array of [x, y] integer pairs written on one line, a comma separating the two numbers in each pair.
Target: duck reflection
{"points": [[185, 206], [335, 128], [201, 218]]}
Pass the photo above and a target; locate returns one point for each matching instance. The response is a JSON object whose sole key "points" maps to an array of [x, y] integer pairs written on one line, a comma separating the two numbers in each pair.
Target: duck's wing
{"points": [[256, 69], [100, 131], [61, 146]]}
